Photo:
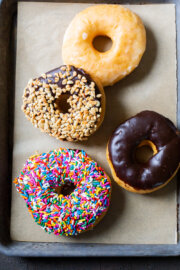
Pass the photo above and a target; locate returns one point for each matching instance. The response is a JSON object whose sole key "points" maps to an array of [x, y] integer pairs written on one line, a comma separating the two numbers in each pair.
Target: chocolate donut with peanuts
{"points": [[66, 103]]}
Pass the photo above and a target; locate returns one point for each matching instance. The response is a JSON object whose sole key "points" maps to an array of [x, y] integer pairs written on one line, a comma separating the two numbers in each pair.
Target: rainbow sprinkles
{"points": [[61, 214]]}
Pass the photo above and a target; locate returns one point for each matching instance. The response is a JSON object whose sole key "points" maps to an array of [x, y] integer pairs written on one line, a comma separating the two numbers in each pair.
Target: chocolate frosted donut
{"points": [[65, 102], [146, 128]]}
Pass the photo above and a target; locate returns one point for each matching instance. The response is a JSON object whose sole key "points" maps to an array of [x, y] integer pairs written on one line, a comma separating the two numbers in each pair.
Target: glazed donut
{"points": [[146, 128], [65, 191], [46, 100], [128, 37]]}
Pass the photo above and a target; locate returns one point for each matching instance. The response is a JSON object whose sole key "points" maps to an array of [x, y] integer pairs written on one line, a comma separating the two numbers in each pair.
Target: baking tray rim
{"points": [[8, 11]]}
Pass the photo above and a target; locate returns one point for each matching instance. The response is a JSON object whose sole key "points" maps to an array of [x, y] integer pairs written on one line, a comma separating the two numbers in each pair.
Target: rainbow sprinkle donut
{"points": [[65, 191]]}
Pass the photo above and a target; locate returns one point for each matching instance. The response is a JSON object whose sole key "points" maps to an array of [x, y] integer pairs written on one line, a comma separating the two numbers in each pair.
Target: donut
{"points": [[121, 25], [65, 191], [65, 102], [151, 129]]}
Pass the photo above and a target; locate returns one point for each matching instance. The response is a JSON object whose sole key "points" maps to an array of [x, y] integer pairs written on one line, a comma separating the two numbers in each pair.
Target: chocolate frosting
{"points": [[73, 69], [65, 102], [146, 125]]}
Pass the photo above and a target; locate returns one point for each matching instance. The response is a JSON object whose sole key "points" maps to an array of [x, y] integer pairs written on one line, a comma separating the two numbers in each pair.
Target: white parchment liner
{"points": [[132, 218]]}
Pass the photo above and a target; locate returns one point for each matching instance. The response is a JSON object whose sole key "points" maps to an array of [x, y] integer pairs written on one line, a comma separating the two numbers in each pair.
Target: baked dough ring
{"points": [[160, 134], [128, 37], [66, 192], [45, 97]]}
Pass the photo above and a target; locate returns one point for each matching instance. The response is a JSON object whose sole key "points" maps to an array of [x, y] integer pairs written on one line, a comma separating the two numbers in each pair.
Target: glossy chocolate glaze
{"points": [[73, 69], [79, 71], [64, 102], [146, 125]]}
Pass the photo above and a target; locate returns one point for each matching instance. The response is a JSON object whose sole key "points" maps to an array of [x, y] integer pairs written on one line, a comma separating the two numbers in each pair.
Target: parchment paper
{"points": [[132, 218]]}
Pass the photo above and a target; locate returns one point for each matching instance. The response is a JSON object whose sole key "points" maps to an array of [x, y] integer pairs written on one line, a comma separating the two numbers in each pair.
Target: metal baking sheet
{"points": [[8, 12]]}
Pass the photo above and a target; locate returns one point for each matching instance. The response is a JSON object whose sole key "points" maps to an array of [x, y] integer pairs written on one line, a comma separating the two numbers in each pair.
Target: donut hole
{"points": [[61, 103], [65, 189], [102, 43], [144, 151]]}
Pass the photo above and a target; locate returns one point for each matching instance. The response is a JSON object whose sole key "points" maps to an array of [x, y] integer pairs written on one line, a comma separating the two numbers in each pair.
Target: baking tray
{"points": [[8, 19]]}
